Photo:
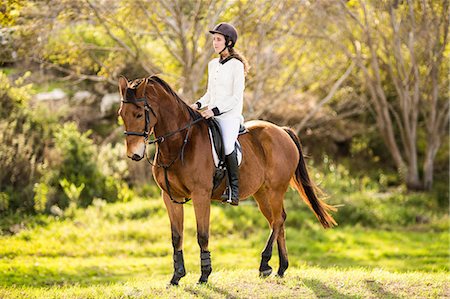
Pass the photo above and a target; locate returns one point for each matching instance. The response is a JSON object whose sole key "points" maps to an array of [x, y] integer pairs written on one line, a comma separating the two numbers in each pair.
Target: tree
{"points": [[312, 63], [399, 48]]}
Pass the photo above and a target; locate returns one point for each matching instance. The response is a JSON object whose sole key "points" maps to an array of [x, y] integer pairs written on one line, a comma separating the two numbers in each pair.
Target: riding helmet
{"points": [[228, 31]]}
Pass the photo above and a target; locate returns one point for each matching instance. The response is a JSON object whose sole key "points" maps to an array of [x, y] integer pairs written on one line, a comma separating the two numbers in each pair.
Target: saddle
{"points": [[219, 149]]}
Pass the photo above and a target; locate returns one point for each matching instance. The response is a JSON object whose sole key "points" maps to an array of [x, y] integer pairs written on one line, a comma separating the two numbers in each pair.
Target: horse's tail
{"points": [[307, 189]]}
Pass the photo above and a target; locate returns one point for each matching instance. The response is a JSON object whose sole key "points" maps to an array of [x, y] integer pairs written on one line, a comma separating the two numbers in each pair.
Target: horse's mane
{"points": [[155, 79]]}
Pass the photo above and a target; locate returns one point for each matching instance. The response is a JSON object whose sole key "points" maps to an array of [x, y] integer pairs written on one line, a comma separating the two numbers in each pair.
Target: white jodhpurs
{"points": [[229, 128]]}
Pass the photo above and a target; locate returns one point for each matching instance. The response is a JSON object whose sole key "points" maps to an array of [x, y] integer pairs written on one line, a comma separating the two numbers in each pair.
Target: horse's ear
{"points": [[123, 85], [141, 88]]}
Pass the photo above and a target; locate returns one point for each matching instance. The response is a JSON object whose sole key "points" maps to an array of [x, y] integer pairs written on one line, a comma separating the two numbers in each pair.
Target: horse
{"points": [[183, 168]]}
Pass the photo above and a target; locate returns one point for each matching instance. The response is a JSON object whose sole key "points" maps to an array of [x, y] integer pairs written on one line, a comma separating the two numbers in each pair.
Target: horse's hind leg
{"points": [[282, 249], [271, 205], [176, 216]]}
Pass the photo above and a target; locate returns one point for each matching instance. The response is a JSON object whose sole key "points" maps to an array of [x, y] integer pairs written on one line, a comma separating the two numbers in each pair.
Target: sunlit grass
{"points": [[302, 283], [125, 248]]}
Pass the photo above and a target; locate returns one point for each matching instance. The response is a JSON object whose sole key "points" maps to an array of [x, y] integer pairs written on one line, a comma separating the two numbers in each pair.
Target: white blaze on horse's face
{"points": [[137, 115], [133, 119], [136, 151]]}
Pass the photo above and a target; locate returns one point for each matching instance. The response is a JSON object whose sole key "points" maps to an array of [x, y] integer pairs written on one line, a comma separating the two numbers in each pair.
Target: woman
{"points": [[223, 99]]}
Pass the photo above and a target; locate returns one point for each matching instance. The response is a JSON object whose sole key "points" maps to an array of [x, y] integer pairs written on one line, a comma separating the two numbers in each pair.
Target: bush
{"points": [[77, 176], [368, 200], [22, 144], [44, 164]]}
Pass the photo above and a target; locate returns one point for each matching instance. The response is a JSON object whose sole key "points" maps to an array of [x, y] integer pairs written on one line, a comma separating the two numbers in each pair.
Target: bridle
{"points": [[147, 110], [146, 132], [161, 139]]}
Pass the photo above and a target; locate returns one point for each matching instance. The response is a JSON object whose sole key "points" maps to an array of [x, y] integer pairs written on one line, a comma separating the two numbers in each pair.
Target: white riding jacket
{"points": [[225, 92]]}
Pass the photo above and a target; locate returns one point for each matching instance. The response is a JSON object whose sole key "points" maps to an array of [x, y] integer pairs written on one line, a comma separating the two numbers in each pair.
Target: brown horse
{"points": [[184, 167]]}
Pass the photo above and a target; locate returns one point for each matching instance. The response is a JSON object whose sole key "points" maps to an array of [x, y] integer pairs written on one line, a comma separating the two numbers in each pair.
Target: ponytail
{"points": [[241, 58]]}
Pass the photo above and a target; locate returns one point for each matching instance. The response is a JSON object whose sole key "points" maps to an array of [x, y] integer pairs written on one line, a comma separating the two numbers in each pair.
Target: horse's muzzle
{"points": [[136, 157]]}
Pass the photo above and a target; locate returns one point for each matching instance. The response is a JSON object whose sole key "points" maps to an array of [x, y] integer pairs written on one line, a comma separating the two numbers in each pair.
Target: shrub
{"points": [[22, 144], [77, 177]]}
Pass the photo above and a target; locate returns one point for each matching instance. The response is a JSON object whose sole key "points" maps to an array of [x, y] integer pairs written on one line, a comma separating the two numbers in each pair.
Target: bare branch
{"points": [[108, 31], [74, 74], [327, 98]]}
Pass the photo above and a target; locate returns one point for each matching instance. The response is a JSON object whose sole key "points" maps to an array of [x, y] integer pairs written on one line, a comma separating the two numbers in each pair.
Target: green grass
{"points": [[301, 283], [123, 250]]}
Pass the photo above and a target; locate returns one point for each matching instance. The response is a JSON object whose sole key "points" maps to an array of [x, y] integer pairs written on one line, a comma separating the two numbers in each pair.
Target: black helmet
{"points": [[228, 31]]}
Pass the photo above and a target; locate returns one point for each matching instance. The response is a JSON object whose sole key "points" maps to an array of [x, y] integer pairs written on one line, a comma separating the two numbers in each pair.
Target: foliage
{"points": [[298, 50], [22, 144], [399, 49], [67, 47], [77, 176], [369, 198], [72, 192], [44, 164]]}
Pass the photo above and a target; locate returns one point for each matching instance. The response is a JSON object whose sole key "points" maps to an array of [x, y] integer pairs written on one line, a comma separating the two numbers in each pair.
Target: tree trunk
{"points": [[428, 166], [412, 180]]}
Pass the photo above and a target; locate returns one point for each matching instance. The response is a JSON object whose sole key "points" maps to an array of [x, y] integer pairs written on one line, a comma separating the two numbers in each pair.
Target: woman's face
{"points": [[218, 42]]}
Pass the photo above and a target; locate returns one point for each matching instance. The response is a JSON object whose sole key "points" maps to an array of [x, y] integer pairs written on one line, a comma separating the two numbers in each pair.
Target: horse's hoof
{"points": [[203, 280], [175, 279], [265, 273]]}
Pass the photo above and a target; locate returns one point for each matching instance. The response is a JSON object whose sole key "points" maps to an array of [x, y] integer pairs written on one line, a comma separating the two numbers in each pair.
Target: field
{"points": [[123, 250]]}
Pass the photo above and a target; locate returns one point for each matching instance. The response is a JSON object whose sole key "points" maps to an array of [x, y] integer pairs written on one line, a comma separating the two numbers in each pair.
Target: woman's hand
{"points": [[207, 113], [194, 106]]}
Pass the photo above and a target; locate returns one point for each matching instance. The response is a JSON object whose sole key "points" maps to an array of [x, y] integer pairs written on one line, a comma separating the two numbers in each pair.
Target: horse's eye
{"points": [[139, 115]]}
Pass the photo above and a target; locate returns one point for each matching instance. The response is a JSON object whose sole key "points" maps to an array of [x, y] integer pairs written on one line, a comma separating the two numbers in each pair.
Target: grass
{"points": [[302, 283], [123, 250]]}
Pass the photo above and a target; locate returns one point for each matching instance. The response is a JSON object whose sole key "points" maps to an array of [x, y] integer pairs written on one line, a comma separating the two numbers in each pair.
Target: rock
{"points": [[55, 210], [16, 228], [83, 96], [421, 219], [54, 95], [108, 102]]}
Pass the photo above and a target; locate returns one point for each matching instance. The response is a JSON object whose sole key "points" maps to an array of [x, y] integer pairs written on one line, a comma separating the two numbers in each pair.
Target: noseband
{"points": [[147, 109]]}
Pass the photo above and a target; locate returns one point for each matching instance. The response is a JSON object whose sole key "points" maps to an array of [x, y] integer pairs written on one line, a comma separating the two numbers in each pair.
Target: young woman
{"points": [[223, 99]]}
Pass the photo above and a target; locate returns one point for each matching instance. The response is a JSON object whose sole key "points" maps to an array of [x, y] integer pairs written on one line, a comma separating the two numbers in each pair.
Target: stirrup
{"points": [[226, 197]]}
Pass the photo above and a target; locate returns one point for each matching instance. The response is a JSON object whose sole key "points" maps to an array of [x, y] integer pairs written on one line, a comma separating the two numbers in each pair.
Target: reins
{"points": [[165, 136], [180, 155]]}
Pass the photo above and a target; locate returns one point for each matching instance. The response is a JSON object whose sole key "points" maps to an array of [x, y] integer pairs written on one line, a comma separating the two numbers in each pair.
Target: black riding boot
{"points": [[233, 179]]}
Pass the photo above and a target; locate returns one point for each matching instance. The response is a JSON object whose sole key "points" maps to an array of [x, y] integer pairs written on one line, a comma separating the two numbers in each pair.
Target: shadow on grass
{"points": [[202, 291], [321, 290], [378, 290]]}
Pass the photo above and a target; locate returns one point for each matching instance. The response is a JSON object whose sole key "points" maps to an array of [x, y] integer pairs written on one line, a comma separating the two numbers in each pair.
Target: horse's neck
{"points": [[172, 118]]}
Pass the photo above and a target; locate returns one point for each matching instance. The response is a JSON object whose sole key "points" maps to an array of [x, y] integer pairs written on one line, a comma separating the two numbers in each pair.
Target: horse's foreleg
{"points": [[202, 215], [176, 216]]}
